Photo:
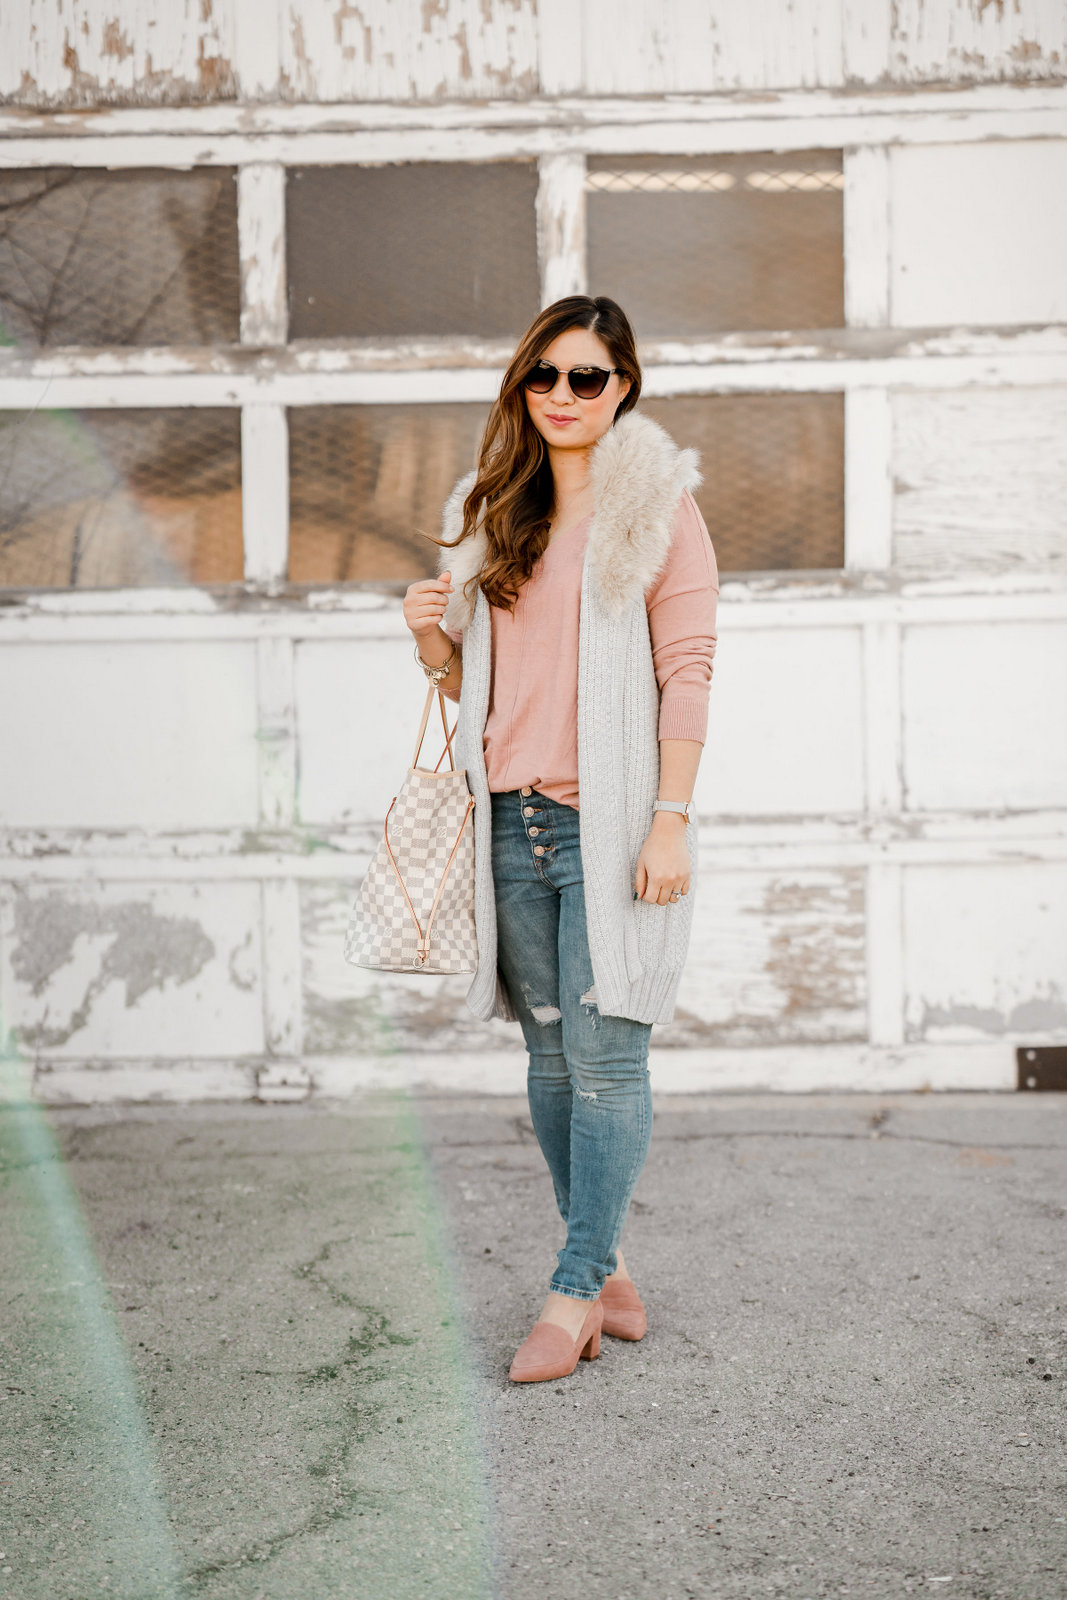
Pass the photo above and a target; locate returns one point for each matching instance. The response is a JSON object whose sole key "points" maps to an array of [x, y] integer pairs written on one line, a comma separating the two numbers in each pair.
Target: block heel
{"points": [[550, 1352]]}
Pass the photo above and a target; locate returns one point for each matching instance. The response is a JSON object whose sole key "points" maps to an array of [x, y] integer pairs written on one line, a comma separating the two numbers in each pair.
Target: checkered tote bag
{"points": [[414, 911]]}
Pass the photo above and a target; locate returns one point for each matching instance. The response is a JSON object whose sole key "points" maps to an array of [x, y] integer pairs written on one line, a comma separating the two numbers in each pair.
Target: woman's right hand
{"points": [[425, 602]]}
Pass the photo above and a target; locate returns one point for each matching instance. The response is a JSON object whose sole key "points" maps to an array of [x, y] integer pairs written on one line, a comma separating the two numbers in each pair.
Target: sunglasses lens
{"points": [[541, 378], [588, 382]]}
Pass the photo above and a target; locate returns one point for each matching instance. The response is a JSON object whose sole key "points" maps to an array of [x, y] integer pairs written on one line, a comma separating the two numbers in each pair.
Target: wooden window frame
{"points": [[864, 360]]}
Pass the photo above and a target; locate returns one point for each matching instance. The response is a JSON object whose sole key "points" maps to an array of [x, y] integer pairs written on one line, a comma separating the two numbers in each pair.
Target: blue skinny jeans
{"points": [[588, 1081]]}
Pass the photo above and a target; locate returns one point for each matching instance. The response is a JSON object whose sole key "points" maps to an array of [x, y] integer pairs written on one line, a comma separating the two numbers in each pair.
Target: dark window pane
{"points": [[105, 499], [124, 258], [420, 248], [698, 244], [773, 493], [364, 479]]}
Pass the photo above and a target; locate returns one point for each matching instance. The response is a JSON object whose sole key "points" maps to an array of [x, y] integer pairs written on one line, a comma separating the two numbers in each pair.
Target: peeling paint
{"points": [[1039, 1014], [145, 951], [114, 41]]}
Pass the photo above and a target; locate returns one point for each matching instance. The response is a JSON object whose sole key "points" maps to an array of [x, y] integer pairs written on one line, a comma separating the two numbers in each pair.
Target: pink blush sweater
{"points": [[531, 732]]}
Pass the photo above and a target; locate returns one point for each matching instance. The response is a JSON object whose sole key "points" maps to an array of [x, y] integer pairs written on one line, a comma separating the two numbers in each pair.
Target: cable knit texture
{"points": [[637, 474]]}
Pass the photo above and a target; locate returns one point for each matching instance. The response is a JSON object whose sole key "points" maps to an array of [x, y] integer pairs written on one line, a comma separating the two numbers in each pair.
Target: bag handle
{"points": [[431, 691]]}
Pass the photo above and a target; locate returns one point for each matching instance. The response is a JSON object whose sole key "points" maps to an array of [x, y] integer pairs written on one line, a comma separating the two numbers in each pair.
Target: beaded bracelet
{"points": [[435, 674]]}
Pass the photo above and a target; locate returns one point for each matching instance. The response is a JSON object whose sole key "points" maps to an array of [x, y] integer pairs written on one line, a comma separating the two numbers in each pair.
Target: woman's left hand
{"points": [[663, 866]]}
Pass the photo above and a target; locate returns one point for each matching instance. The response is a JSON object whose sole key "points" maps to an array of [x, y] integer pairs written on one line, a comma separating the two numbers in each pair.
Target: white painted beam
{"points": [[276, 731], [317, 384], [882, 729], [459, 353], [893, 109], [282, 986], [561, 252], [770, 601], [264, 491], [885, 954], [261, 242], [506, 130], [868, 480], [782, 1069], [866, 236]]}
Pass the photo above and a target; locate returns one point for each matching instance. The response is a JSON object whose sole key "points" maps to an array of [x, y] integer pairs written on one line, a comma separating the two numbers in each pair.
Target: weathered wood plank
{"points": [[979, 232], [785, 725], [116, 52], [775, 957], [983, 716], [452, 49], [980, 481], [956, 41], [984, 950], [632, 47], [147, 969], [139, 735]]}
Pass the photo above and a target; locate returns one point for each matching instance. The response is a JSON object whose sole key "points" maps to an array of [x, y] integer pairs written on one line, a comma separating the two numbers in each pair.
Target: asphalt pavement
{"points": [[260, 1352]]}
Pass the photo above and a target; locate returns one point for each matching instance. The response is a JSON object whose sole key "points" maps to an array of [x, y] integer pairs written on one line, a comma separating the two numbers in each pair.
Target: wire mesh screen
{"points": [[773, 493], [691, 245], [102, 499], [413, 248], [118, 258], [364, 479]]}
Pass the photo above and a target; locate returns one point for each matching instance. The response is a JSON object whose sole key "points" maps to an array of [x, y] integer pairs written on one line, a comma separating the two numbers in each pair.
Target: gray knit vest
{"points": [[637, 474]]}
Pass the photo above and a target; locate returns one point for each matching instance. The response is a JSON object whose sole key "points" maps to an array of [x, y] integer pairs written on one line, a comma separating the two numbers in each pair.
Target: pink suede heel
{"points": [[549, 1352], [624, 1314]]}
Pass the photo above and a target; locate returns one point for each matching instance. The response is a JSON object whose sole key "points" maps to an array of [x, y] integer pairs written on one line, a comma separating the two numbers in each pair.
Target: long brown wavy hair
{"points": [[514, 482]]}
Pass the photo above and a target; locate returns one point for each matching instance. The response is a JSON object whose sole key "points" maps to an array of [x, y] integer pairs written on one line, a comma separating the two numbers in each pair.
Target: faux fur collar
{"points": [[638, 474]]}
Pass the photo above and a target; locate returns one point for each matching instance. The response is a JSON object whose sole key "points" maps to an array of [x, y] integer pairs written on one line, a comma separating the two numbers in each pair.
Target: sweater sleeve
{"points": [[681, 605]]}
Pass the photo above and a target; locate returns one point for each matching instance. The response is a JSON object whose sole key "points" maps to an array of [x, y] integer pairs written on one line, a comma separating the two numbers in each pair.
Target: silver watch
{"points": [[685, 810]]}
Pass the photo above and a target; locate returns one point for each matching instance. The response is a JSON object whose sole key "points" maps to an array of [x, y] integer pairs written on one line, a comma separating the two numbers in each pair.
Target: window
{"points": [[396, 253], [365, 479], [696, 245], [91, 257], [773, 465], [102, 499], [412, 249]]}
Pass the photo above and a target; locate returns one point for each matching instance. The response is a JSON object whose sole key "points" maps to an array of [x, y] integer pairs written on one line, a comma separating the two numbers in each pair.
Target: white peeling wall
{"points": [[156, 52], [191, 786]]}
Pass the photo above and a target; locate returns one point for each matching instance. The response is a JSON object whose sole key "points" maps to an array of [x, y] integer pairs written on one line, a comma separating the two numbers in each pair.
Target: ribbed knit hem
{"points": [[681, 717], [651, 998]]}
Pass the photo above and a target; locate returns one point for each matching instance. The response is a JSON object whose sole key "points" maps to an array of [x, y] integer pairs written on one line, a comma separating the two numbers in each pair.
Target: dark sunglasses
{"points": [[586, 382]]}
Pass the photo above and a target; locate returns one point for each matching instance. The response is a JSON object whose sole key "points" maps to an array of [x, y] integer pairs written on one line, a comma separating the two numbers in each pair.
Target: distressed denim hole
{"points": [[545, 1014], [589, 997]]}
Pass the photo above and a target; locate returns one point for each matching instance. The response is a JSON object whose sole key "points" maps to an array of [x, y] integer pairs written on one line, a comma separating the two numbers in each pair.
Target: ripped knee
{"points": [[545, 1014]]}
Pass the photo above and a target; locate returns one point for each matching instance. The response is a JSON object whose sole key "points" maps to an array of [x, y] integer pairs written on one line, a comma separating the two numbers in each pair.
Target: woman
{"points": [[575, 626]]}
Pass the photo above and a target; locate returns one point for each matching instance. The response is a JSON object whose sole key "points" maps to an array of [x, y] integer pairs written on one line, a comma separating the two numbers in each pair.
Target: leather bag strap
{"points": [[431, 691]]}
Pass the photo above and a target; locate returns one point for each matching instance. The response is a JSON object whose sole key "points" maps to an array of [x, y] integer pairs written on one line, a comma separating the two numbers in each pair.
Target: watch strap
{"points": [[684, 808]]}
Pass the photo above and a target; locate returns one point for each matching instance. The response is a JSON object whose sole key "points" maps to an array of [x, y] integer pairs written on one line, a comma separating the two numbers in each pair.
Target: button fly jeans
{"points": [[588, 1081]]}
